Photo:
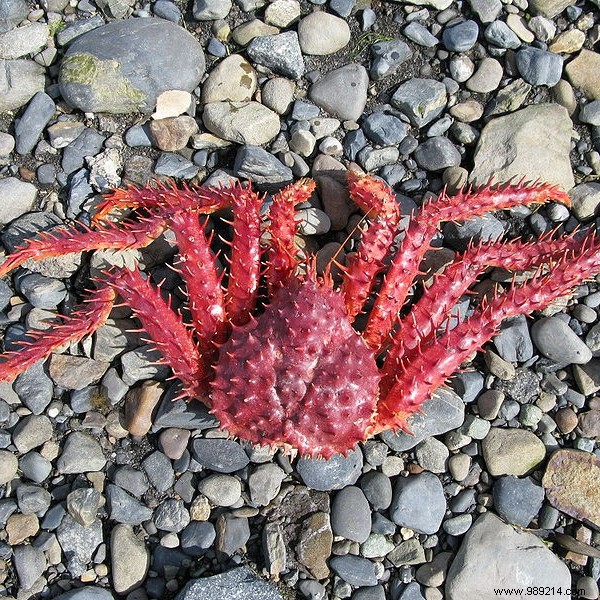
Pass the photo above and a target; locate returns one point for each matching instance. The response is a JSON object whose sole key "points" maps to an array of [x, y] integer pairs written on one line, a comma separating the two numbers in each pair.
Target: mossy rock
{"points": [[122, 67]]}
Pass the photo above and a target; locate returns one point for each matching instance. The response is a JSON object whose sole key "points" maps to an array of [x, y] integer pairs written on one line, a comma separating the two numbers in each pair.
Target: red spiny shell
{"points": [[298, 375]]}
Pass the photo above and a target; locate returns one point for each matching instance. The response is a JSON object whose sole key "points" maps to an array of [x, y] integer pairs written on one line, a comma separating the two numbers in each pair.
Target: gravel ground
{"points": [[113, 487]]}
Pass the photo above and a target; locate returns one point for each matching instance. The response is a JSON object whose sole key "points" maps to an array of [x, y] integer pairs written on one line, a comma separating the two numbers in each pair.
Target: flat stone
{"points": [[387, 56], [87, 592], [314, 544], [494, 555], [223, 456], [342, 92], [571, 482], [115, 68], [517, 501], [512, 451], [23, 40], [20, 80], [76, 372], [533, 142], [29, 563], [81, 454], [333, 474], [583, 71], [351, 515], [241, 122], [8, 466], [587, 377], [78, 543], [260, 166], [130, 559]]}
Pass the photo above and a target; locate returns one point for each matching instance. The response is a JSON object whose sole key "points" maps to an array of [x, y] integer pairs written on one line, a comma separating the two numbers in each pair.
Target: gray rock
{"points": [[421, 100], [124, 508], [197, 538], [387, 56], [321, 33], [33, 466], [165, 9], [533, 142], [223, 456], [34, 388], [342, 92], [221, 490], [457, 525], [384, 129], [30, 125], [12, 12], [20, 80], [78, 543], [539, 67], [501, 35], [333, 474], [122, 55], [419, 34], [512, 451], [232, 585], [31, 432], [281, 53], [88, 143], [29, 563], [518, 501], [460, 235], [18, 197], [436, 154], [73, 30], [264, 483], [513, 342], [585, 199], [175, 165], [432, 455], [486, 10], [232, 533], [558, 342], [377, 488], [33, 499], [24, 40], [460, 37], [88, 592], [81, 454], [42, 292], [355, 570], [351, 515], [171, 515], [494, 555], [418, 503], [443, 412], [159, 470], [260, 166], [83, 505], [211, 10], [590, 113]]}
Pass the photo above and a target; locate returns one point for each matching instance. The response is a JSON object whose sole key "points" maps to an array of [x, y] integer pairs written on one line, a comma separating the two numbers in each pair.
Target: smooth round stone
{"points": [[558, 342], [197, 538], [432, 455], [518, 501], [384, 129], [351, 514], [377, 488], [487, 76], [211, 10], [333, 474], [437, 153], [418, 503], [321, 33], [500, 34], [511, 451], [122, 56], [18, 197], [221, 490], [21, 80], [130, 558], [81, 453], [355, 570], [264, 483], [278, 94], [33, 466], [461, 68], [223, 456], [419, 34], [460, 37], [585, 199], [458, 525], [232, 79], [539, 67], [9, 465]]}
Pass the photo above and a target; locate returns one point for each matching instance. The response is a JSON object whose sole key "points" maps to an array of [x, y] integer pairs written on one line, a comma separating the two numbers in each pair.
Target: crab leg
{"points": [[283, 253], [420, 232], [448, 286], [166, 198], [196, 264], [373, 197], [165, 329], [67, 240], [425, 372], [84, 321], [244, 262]]}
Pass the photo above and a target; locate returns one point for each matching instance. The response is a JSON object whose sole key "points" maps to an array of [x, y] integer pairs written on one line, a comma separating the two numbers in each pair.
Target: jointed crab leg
{"points": [[196, 264], [420, 232], [164, 327], [283, 253], [427, 370], [66, 240], [85, 320], [379, 202], [430, 311]]}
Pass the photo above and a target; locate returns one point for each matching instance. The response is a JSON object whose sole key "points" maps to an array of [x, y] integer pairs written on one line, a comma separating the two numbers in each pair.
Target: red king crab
{"points": [[272, 347]]}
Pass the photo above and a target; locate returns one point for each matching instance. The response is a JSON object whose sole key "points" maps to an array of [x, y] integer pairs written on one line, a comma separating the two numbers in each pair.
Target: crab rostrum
{"points": [[275, 348]]}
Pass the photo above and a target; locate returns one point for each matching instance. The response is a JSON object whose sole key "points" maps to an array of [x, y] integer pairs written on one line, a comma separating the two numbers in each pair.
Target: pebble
{"points": [[130, 559], [355, 570], [351, 515], [487, 76], [539, 67], [419, 34], [377, 488], [123, 508], [321, 33], [342, 92], [418, 503], [460, 37], [31, 125], [334, 474], [221, 490], [387, 56], [29, 563], [264, 483], [280, 52], [421, 100], [19, 197], [558, 342], [511, 451], [9, 464]]}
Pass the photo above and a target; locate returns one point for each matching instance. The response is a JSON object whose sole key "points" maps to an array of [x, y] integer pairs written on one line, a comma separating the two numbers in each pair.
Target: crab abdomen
{"points": [[299, 375]]}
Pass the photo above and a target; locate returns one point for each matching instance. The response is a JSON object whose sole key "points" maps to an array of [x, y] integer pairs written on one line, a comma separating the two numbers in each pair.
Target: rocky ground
{"points": [[111, 488]]}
